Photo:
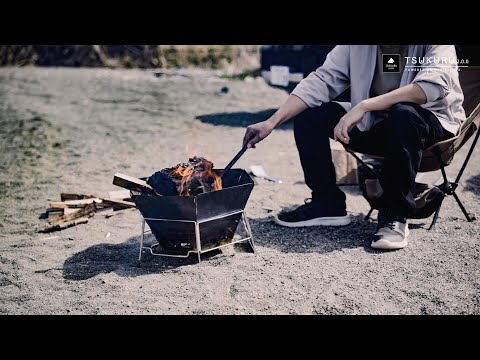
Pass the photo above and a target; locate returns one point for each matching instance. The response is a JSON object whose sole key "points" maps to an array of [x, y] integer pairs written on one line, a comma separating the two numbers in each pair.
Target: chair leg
{"points": [[470, 151], [368, 167], [368, 215], [462, 207], [435, 217]]}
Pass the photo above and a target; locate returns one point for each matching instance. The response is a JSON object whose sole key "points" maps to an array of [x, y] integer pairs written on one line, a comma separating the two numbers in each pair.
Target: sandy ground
{"points": [[70, 130]]}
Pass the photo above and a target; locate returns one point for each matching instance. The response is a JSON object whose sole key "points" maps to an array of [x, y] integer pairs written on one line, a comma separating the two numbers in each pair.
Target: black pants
{"points": [[400, 138]]}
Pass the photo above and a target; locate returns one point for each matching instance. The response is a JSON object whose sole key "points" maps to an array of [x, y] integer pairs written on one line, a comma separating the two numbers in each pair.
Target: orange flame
{"points": [[202, 170], [217, 180], [217, 183], [186, 174]]}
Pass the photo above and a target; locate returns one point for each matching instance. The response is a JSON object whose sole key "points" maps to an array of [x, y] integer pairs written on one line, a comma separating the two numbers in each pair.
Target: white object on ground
{"points": [[259, 171]]}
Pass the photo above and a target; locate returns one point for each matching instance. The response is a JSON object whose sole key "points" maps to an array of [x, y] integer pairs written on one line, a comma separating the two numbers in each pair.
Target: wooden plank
{"points": [[88, 211], [54, 211], [74, 203], [131, 183], [119, 194], [118, 204], [68, 211], [111, 212], [64, 225], [71, 196]]}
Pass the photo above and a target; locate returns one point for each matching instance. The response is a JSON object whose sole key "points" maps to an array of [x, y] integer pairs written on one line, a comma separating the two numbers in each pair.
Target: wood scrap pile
{"points": [[75, 209], [190, 178]]}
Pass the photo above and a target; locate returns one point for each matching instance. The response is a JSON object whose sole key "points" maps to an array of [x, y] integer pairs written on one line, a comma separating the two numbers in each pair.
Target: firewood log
{"points": [[131, 183], [74, 203], [70, 196], [64, 225], [117, 204]]}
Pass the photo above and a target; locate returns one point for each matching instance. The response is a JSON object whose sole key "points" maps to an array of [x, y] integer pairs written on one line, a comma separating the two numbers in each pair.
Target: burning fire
{"points": [[197, 170]]}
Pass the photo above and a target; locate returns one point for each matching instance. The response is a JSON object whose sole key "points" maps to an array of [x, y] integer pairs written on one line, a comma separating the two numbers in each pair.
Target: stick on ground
{"points": [[88, 210], [70, 196], [73, 203], [64, 225]]}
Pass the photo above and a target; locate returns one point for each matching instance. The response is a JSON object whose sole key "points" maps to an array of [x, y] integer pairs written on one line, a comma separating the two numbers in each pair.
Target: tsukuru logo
{"points": [[391, 63]]}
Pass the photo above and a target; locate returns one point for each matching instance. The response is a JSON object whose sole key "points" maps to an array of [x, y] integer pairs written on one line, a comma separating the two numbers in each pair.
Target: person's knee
{"points": [[403, 110], [404, 118], [403, 114], [303, 118], [316, 119]]}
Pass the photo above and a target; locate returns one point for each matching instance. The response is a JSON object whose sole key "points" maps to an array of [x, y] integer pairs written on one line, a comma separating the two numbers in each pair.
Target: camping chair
{"points": [[441, 154]]}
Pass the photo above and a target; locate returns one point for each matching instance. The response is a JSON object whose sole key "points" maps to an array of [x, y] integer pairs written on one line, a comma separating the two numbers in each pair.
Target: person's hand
{"points": [[347, 122], [257, 132]]}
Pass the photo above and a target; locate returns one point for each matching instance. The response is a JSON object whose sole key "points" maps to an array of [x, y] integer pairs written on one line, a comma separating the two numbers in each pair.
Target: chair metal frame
{"points": [[447, 187]]}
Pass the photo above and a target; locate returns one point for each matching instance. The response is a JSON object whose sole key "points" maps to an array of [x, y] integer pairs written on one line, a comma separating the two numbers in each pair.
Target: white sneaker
{"points": [[392, 235]]}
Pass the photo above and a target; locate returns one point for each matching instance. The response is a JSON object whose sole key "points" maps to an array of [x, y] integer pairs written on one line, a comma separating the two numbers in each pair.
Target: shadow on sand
{"points": [[473, 184], [123, 258], [322, 240], [241, 119]]}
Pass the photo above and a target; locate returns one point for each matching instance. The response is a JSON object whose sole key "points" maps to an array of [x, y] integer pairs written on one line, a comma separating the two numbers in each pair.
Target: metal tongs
{"points": [[234, 160]]}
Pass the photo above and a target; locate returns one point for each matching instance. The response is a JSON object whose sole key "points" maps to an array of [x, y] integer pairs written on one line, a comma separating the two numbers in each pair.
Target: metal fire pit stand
{"points": [[199, 251]]}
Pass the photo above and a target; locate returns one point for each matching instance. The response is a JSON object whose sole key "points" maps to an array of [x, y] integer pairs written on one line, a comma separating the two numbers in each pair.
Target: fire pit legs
{"points": [[248, 230], [197, 240], [199, 251]]}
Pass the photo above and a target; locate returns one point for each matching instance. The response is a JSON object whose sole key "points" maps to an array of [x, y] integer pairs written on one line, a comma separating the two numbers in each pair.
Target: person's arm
{"points": [[408, 93], [439, 79], [427, 87], [257, 132], [329, 80], [320, 86]]}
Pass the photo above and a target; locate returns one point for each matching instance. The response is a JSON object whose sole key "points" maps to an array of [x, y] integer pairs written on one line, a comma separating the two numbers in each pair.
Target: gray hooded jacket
{"points": [[354, 66]]}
